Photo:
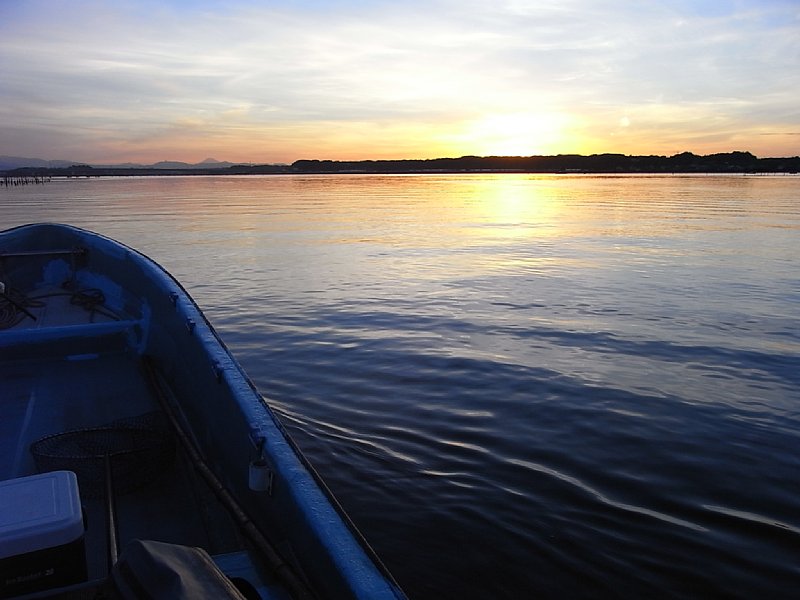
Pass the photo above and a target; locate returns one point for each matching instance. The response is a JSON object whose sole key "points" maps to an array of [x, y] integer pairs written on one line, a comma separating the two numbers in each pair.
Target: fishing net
{"points": [[140, 449]]}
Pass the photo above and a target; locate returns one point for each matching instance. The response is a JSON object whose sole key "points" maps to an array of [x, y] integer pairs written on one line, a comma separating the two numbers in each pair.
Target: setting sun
{"points": [[518, 134]]}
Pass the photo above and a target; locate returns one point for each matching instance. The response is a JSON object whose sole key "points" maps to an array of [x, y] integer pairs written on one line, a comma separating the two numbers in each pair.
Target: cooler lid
{"points": [[40, 511]]}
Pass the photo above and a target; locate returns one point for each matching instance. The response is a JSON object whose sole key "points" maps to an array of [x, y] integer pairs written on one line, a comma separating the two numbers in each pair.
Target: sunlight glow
{"points": [[518, 134]]}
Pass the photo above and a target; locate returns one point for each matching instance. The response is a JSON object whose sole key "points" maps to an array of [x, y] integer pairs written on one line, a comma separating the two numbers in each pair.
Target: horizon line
{"points": [[210, 162]]}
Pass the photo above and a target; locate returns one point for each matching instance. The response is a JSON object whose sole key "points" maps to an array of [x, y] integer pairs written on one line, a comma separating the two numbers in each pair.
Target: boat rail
{"points": [[79, 251]]}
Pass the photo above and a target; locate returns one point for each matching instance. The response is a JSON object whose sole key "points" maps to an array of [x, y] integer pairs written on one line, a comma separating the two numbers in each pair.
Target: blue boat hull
{"points": [[144, 315]]}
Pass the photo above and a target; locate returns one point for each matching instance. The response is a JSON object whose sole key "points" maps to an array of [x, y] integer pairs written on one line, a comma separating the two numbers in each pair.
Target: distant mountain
{"points": [[16, 162], [208, 163]]}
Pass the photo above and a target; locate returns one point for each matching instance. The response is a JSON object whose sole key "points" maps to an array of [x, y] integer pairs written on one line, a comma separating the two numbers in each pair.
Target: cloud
{"points": [[138, 71]]}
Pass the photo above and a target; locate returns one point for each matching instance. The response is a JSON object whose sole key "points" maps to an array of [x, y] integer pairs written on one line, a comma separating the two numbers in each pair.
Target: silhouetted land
{"points": [[686, 162], [731, 162]]}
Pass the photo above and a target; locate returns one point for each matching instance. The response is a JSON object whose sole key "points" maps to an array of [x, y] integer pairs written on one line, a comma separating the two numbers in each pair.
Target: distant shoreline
{"points": [[686, 162]]}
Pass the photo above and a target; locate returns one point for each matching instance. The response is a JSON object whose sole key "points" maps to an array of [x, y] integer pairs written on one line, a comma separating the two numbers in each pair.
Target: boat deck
{"points": [[48, 387], [68, 380]]}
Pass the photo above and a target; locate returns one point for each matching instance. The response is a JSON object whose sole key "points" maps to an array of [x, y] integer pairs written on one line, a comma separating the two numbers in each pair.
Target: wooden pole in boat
{"points": [[111, 515], [297, 587]]}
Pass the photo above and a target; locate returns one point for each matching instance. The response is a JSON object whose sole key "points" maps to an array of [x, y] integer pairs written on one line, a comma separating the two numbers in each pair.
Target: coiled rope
{"points": [[14, 305]]}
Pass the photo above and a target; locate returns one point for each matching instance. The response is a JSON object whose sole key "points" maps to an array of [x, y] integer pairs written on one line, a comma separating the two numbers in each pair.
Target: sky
{"points": [[273, 82]]}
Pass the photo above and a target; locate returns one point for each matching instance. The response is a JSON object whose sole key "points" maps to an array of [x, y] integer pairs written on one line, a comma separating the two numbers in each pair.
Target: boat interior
{"points": [[73, 397]]}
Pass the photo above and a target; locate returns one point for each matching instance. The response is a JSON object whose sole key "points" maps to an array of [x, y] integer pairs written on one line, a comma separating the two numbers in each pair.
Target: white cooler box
{"points": [[41, 533]]}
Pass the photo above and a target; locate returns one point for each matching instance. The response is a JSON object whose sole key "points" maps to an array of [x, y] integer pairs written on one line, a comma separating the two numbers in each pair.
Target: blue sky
{"points": [[278, 81]]}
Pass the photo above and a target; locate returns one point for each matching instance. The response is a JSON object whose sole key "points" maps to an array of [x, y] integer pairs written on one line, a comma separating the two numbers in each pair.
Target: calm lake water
{"points": [[518, 386]]}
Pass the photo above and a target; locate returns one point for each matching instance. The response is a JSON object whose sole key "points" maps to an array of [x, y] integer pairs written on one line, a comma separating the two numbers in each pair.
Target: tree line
{"points": [[686, 162]]}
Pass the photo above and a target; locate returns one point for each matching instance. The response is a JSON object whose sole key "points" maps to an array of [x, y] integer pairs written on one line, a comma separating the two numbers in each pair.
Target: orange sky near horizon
{"points": [[266, 82]]}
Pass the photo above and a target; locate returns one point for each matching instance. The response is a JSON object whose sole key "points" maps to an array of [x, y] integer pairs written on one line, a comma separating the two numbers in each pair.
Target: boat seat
{"points": [[149, 569], [89, 339]]}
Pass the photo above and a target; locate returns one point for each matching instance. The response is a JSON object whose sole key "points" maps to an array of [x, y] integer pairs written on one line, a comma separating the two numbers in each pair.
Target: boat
{"points": [[138, 459]]}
